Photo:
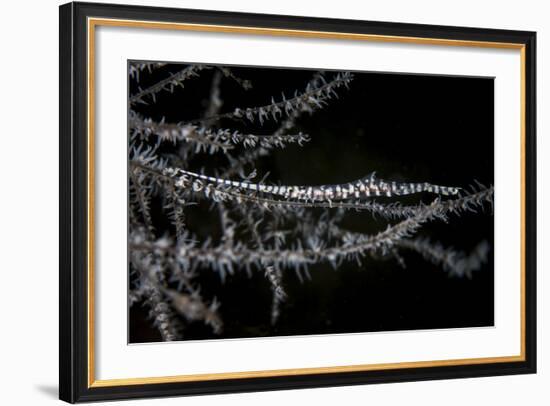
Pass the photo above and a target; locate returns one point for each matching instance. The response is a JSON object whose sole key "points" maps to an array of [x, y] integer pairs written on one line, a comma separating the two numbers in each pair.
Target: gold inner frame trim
{"points": [[94, 22]]}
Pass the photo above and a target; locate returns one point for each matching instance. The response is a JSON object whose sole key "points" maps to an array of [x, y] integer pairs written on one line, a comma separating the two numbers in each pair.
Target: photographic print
{"points": [[273, 201]]}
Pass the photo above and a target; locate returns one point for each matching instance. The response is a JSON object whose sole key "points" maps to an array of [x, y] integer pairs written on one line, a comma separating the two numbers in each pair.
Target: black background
{"points": [[413, 128]]}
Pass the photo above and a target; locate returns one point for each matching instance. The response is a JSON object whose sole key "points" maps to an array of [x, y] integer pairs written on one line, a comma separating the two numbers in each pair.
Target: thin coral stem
{"points": [[176, 79], [214, 140], [310, 99]]}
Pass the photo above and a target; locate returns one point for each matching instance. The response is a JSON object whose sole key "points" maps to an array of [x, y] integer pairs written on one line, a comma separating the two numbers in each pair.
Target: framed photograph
{"points": [[256, 202]]}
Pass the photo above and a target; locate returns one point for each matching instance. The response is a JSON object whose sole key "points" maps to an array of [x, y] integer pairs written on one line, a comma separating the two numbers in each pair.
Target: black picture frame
{"points": [[74, 379]]}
